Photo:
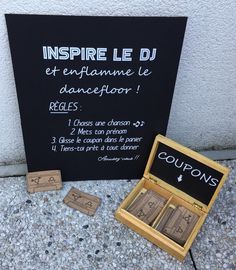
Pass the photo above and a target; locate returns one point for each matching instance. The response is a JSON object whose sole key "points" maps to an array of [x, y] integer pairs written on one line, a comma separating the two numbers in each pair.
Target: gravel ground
{"points": [[39, 232], [215, 245]]}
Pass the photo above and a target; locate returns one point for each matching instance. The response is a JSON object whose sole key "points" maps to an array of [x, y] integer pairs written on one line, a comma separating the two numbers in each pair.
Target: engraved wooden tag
{"points": [[43, 181], [147, 206], [165, 218], [180, 225], [82, 201], [136, 201]]}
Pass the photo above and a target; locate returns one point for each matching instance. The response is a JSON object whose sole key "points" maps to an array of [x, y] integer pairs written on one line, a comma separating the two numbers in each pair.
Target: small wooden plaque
{"points": [[82, 201], [43, 181]]}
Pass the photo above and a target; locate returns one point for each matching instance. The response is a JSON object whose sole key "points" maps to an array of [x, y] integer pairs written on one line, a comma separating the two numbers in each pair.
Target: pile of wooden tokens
{"points": [[147, 206], [51, 180], [177, 222]]}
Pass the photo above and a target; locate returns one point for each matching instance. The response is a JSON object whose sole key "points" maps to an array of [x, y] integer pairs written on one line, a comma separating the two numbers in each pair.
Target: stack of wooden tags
{"points": [[147, 206], [51, 180], [177, 223]]}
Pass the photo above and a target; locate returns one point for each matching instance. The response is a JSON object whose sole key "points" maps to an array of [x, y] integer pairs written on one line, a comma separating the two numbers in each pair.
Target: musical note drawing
{"points": [[180, 230], [141, 213], [51, 180], [138, 124], [89, 204], [35, 180], [75, 196], [150, 204], [187, 218]]}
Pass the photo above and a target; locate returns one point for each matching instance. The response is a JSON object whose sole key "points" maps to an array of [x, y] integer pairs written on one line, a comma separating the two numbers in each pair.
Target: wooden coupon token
{"points": [[167, 214], [43, 181], [180, 225], [148, 206], [141, 199], [136, 201], [82, 201]]}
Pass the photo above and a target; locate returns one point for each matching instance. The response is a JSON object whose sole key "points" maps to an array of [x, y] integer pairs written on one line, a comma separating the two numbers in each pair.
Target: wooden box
{"points": [[184, 178]]}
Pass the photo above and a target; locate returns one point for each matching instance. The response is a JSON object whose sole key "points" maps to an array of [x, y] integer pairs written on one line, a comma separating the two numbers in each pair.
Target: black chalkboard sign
{"points": [[185, 173], [93, 91]]}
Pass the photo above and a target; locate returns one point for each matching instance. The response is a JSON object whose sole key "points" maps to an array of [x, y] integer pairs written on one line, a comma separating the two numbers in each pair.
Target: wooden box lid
{"points": [[186, 173]]}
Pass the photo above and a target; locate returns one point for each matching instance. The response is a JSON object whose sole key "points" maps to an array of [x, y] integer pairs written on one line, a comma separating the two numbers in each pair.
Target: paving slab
{"points": [[38, 231]]}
